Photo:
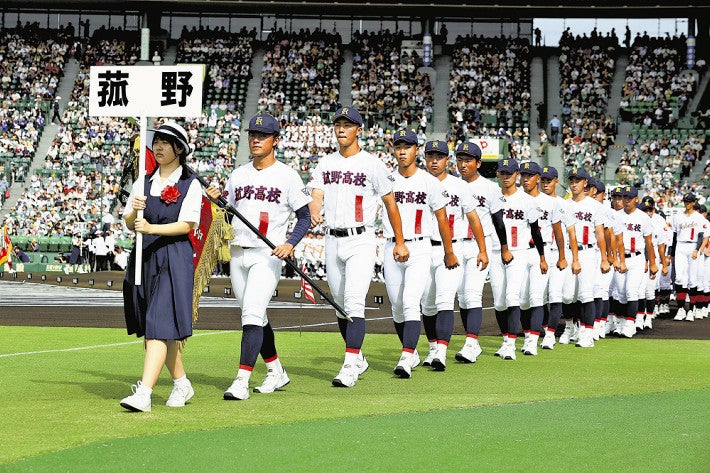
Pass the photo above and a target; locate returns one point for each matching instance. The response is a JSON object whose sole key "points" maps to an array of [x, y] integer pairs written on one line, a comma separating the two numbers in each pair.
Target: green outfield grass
{"points": [[608, 408]]}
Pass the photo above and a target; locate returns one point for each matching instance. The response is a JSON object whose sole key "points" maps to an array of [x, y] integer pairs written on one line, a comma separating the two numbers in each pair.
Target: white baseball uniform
{"points": [[604, 281], [687, 227], [635, 227], [352, 190], [588, 215], [266, 199], [417, 197], [560, 284]]}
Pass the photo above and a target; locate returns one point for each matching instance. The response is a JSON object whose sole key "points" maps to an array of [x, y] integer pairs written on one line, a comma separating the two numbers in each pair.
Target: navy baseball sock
{"points": [[475, 319], [355, 333], [588, 314], [632, 308], [555, 316], [538, 313], [268, 345], [513, 320], [343, 326], [444, 325], [641, 307], [430, 322], [598, 308], [252, 339], [464, 317], [525, 315], [399, 328], [567, 311], [650, 305], [605, 308], [577, 311], [410, 334], [545, 314], [502, 319]]}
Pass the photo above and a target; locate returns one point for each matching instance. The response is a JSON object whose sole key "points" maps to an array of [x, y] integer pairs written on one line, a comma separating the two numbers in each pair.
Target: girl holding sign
{"points": [[160, 308]]}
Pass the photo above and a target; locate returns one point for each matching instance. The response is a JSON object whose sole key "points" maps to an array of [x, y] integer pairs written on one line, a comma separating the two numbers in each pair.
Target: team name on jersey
{"points": [[272, 194], [410, 197], [544, 215], [481, 200], [454, 202], [685, 226], [584, 216], [514, 214], [346, 177], [633, 227]]}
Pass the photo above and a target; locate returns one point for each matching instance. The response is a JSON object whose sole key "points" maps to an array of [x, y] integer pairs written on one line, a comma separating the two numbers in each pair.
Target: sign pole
{"points": [[141, 178]]}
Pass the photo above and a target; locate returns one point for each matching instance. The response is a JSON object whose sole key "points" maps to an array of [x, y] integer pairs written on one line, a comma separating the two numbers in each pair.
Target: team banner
{"points": [[490, 148], [5, 247], [157, 91]]}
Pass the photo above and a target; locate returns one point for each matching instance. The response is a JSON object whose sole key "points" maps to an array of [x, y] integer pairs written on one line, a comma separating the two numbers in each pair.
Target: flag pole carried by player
{"points": [[222, 203]]}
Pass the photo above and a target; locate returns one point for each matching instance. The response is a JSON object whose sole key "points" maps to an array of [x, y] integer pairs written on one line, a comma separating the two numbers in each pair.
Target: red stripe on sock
{"points": [[431, 340], [273, 358], [442, 342], [512, 337], [630, 318], [246, 367], [535, 333], [472, 335], [352, 350], [408, 350]]}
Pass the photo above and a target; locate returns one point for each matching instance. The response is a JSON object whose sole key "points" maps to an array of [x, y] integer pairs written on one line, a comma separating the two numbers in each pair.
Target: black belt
{"points": [[629, 255], [345, 232], [584, 247], [391, 240], [438, 243]]}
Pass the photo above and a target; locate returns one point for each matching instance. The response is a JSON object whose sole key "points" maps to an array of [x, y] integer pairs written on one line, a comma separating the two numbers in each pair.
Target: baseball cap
{"points": [[629, 191], [617, 191], [599, 185], [469, 149], [436, 146], [689, 197], [407, 136], [591, 182], [264, 123], [648, 200], [643, 205], [549, 172], [508, 165], [530, 167], [350, 114], [579, 173], [171, 129]]}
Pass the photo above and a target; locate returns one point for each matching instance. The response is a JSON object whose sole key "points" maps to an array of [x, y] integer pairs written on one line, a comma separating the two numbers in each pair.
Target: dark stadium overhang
{"points": [[508, 9]]}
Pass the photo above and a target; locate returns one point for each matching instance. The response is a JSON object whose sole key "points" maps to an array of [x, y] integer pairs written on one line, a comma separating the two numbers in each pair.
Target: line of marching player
{"points": [[601, 266]]}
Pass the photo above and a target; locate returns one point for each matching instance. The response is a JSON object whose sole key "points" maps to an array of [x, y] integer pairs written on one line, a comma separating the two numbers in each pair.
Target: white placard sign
{"points": [[156, 91]]}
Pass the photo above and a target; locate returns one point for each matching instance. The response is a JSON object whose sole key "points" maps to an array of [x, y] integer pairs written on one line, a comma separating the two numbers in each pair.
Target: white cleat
{"points": [[681, 314], [274, 380], [347, 377], [238, 391], [690, 316], [470, 352], [548, 341], [430, 356]]}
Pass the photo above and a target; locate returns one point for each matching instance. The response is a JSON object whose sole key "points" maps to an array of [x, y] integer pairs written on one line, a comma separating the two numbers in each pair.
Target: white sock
{"points": [[244, 374], [275, 365], [180, 380]]}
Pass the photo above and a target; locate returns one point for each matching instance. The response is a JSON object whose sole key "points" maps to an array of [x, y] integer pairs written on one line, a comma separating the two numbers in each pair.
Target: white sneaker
{"points": [[680, 315], [531, 349], [648, 322], [509, 351], [704, 313], [181, 393], [501, 350], [405, 365], [525, 344], [639, 322], [656, 311], [347, 377], [139, 401], [665, 309], [361, 364], [566, 336], [430, 356], [470, 351], [598, 328], [548, 341], [238, 391], [574, 335], [629, 329], [586, 338], [439, 361], [609, 326], [690, 316], [274, 380], [602, 329]]}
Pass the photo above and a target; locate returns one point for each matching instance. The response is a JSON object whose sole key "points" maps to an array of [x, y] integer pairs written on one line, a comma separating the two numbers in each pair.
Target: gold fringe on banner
{"points": [[216, 250]]}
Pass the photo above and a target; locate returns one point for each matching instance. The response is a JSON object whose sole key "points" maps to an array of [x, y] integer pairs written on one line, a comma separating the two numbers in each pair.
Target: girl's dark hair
{"points": [[182, 157]]}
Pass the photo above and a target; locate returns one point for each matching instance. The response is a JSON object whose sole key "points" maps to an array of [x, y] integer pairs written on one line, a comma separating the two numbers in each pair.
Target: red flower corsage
{"points": [[170, 194]]}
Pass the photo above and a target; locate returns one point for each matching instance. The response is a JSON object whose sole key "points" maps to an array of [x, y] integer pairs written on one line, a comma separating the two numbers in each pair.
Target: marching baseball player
{"points": [[703, 271], [634, 247], [589, 225], [348, 185], [659, 238], [552, 217], [509, 282], [690, 234], [602, 287], [420, 198], [438, 299], [616, 318], [560, 285], [489, 208], [664, 283], [265, 191]]}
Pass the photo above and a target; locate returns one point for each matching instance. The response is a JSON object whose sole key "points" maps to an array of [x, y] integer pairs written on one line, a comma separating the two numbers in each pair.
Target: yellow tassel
{"points": [[216, 249]]}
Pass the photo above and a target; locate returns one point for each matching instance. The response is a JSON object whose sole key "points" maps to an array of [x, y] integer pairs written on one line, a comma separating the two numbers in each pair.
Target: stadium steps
{"points": [[170, 55], [64, 90], [441, 119], [537, 94], [623, 128], [250, 104], [346, 78], [554, 107]]}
